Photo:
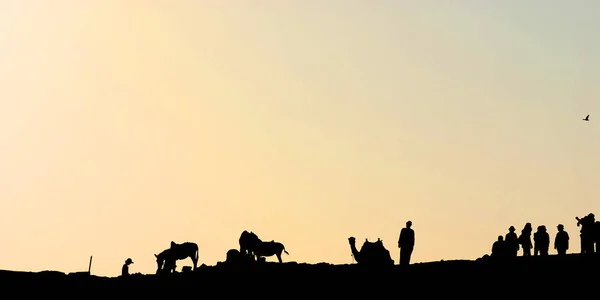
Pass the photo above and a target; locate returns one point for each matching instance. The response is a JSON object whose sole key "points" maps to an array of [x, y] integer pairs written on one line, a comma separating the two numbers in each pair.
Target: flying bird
{"points": [[587, 118]]}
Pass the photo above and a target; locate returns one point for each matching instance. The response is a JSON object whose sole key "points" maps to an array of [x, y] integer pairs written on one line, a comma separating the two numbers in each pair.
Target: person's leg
{"points": [[588, 245], [408, 255], [402, 256]]}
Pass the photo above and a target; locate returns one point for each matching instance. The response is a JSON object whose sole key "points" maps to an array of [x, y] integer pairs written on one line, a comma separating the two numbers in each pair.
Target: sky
{"points": [[126, 125]]}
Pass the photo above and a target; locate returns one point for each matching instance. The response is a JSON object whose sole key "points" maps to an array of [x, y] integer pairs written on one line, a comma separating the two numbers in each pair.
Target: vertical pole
{"points": [[90, 267]]}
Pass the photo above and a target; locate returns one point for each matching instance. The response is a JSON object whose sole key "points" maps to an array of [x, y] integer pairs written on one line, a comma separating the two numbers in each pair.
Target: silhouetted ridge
{"points": [[423, 278]]}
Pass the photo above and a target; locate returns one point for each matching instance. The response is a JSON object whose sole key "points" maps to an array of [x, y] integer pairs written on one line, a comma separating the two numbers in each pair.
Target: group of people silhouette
{"points": [[510, 244]]}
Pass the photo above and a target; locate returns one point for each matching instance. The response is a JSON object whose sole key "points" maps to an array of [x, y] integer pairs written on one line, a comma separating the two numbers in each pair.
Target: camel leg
{"points": [[279, 257]]}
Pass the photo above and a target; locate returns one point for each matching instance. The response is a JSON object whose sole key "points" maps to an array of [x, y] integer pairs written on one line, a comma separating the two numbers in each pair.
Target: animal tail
{"points": [[285, 251]]}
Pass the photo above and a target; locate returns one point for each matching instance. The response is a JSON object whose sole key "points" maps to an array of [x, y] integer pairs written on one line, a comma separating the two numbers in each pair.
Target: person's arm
{"points": [[400, 238]]}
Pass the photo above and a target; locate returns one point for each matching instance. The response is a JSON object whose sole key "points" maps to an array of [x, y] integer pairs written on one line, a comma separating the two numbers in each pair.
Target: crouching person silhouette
{"points": [[125, 269]]}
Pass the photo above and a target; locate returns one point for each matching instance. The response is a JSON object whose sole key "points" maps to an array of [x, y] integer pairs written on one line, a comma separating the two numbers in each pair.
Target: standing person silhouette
{"points": [[406, 243], [587, 234], [525, 239], [561, 241], [541, 241], [512, 242]]}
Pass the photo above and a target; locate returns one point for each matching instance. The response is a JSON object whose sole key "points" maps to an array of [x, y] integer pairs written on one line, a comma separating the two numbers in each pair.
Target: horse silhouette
{"points": [[168, 257], [249, 241], [271, 248]]}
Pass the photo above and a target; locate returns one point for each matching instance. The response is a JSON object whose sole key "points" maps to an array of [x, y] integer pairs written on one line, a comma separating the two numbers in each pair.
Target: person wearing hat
{"points": [[561, 241], [125, 270]]}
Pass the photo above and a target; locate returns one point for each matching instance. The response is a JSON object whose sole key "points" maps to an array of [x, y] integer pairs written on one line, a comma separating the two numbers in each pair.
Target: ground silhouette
{"points": [[271, 279]]}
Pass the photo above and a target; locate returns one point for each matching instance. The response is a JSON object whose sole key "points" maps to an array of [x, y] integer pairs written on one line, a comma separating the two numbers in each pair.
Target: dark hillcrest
{"points": [[228, 279]]}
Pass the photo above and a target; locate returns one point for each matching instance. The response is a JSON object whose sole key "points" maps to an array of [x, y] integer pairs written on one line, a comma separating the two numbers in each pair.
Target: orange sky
{"points": [[128, 124]]}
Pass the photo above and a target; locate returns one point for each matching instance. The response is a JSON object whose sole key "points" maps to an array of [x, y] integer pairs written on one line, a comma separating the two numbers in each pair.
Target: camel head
{"points": [[351, 240]]}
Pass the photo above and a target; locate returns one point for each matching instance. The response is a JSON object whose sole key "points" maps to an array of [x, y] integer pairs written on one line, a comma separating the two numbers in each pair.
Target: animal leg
{"points": [[195, 260], [279, 257]]}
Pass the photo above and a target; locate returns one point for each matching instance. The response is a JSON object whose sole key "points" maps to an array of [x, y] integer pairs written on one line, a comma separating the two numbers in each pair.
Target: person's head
{"points": [[560, 227], [500, 238], [511, 229], [408, 224], [128, 261]]}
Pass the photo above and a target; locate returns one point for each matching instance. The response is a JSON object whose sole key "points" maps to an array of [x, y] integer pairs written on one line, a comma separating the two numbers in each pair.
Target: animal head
{"points": [[162, 257], [159, 260], [352, 240], [253, 240], [249, 235]]}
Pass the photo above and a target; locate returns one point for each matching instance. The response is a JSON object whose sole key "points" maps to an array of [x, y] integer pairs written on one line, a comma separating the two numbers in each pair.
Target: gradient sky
{"points": [[128, 124]]}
